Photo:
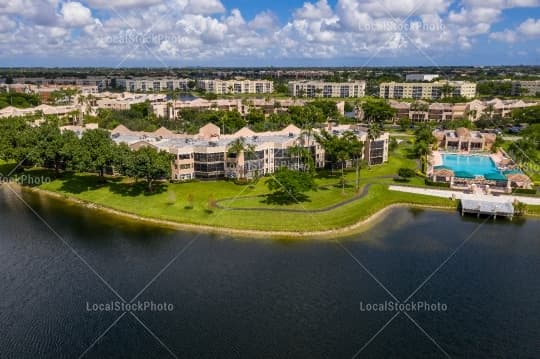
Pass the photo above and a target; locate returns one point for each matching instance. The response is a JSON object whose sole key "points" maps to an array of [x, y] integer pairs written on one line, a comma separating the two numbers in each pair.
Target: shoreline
{"points": [[355, 228]]}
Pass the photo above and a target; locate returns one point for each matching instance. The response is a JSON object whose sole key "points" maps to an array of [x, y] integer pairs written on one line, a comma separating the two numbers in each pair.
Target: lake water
{"points": [[239, 298]]}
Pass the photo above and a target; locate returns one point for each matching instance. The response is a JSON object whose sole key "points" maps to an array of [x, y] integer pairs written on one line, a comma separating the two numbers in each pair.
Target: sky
{"points": [[179, 33]]}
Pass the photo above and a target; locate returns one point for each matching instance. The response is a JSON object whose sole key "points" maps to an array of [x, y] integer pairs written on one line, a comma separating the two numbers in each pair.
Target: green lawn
{"points": [[170, 203]]}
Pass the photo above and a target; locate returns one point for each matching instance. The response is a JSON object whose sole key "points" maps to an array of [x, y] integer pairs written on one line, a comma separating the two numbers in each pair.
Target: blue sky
{"points": [[269, 33]]}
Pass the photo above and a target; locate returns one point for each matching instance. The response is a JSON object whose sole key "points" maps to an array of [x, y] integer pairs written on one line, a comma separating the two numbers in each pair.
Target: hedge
{"points": [[436, 184]]}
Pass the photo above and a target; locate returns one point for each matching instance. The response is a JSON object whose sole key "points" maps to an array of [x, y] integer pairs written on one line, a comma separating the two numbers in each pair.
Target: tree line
{"points": [[94, 152]]}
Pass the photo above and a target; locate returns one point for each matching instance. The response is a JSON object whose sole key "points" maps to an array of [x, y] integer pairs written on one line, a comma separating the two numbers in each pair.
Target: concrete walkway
{"points": [[535, 201]]}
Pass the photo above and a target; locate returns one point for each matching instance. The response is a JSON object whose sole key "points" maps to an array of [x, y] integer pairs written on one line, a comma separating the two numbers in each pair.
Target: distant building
{"points": [[101, 82], [421, 77], [240, 86], [427, 90], [153, 84], [327, 89], [526, 88]]}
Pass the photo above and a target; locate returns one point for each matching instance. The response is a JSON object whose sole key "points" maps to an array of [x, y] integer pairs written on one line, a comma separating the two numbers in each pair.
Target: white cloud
{"points": [[205, 29], [530, 28], [107, 4], [265, 20], [6, 24], [505, 36], [76, 14], [201, 7], [317, 11]]}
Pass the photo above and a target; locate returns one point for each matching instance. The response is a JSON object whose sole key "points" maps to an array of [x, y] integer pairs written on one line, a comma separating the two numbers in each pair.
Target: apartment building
{"points": [[420, 77], [153, 84], [207, 154], [101, 82], [421, 111], [427, 90], [239, 86], [43, 110], [123, 101], [526, 88], [327, 89]]}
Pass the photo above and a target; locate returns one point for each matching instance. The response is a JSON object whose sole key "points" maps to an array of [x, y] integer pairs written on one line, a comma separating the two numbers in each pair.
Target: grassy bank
{"points": [[171, 202]]}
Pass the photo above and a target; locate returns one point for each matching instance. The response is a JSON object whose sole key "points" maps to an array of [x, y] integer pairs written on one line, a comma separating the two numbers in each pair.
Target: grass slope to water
{"points": [[170, 202]]}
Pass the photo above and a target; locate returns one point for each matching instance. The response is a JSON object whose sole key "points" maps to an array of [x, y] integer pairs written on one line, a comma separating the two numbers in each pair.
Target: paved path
{"points": [[459, 195]]}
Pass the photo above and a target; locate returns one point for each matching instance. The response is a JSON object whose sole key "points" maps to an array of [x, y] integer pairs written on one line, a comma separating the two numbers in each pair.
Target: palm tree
{"points": [[250, 154], [422, 150], [300, 153], [342, 149], [373, 132], [446, 90], [237, 147]]}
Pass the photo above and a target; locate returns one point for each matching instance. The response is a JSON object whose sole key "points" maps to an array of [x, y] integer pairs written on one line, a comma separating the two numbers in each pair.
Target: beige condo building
{"points": [[327, 89], [240, 86], [427, 90]]}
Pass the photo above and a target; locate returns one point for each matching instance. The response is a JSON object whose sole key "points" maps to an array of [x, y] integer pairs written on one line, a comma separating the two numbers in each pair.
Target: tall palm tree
{"points": [[237, 147], [300, 153], [446, 90], [373, 132], [250, 154], [422, 150], [341, 148]]}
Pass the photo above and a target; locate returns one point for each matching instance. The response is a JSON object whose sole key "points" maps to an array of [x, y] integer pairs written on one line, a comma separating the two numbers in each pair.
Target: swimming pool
{"points": [[472, 166]]}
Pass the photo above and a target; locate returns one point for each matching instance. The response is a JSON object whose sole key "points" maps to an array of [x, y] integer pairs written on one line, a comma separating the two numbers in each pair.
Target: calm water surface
{"points": [[261, 298]]}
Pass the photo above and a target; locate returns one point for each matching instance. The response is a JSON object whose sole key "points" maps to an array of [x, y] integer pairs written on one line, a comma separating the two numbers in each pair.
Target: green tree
{"points": [[236, 150], [289, 186], [377, 110], [422, 149], [373, 132], [342, 148], [152, 165], [51, 148], [404, 123], [15, 133], [96, 152]]}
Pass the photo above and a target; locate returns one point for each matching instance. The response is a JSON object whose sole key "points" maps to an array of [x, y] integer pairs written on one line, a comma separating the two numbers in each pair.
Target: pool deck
{"points": [[534, 201]]}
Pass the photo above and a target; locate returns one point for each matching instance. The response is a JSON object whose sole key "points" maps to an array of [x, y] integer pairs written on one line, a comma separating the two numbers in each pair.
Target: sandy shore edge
{"points": [[358, 227]]}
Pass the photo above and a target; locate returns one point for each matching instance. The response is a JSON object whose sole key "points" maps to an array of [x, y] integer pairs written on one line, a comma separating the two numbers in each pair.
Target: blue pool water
{"points": [[472, 166]]}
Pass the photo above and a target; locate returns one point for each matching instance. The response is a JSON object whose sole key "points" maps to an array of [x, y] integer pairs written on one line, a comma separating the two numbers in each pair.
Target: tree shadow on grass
{"points": [[409, 153], [282, 198], [137, 189], [77, 183]]}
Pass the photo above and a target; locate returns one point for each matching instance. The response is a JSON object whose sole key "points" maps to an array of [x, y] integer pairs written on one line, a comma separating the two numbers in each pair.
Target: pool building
{"points": [[464, 140]]}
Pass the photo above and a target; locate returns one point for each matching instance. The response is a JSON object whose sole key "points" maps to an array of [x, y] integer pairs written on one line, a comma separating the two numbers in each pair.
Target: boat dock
{"points": [[492, 207]]}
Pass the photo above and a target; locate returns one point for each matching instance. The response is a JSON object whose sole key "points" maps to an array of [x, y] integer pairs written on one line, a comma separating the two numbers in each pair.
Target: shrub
{"points": [[406, 172], [189, 201], [436, 184], [401, 179], [524, 191]]}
